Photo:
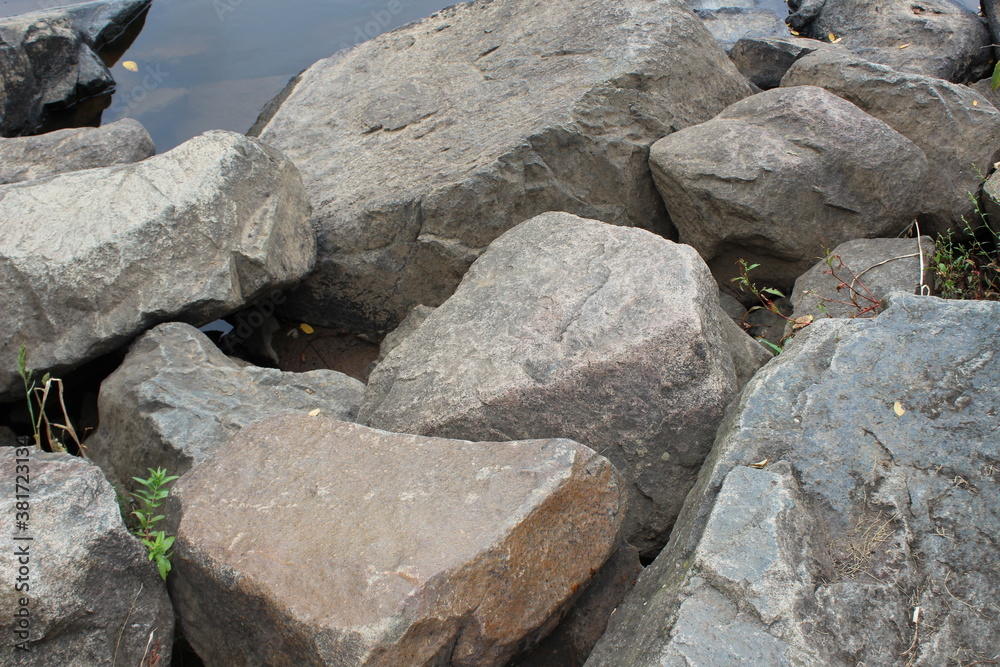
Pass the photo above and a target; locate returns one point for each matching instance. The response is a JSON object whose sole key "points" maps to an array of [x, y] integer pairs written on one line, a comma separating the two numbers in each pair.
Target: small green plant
{"points": [[57, 434], [764, 295], [150, 498], [969, 267]]}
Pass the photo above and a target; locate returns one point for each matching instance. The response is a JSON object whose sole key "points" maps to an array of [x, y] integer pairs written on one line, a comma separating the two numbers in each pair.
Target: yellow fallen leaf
{"points": [[898, 407], [903, 46], [130, 66], [315, 413], [760, 465], [306, 328], [975, 103], [834, 41], [794, 33]]}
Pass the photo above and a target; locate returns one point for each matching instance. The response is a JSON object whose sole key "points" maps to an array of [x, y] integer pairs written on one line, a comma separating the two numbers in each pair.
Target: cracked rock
{"points": [[848, 511], [573, 328], [455, 553], [422, 146]]}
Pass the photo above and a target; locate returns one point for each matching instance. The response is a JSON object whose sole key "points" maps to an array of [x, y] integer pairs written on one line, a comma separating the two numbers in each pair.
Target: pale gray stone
{"points": [[574, 328], [176, 399], [30, 158], [869, 533], [779, 176], [93, 595], [309, 541], [422, 146], [90, 259]]}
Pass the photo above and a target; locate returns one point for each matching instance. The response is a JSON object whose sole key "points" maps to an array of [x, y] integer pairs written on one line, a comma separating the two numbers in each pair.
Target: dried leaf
{"points": [[834, 41], [975, 103], [899, 409], [802, 322], [903, 46], [306, 328], [794, 32], [315, 413], [760, 465], [130, 66]]}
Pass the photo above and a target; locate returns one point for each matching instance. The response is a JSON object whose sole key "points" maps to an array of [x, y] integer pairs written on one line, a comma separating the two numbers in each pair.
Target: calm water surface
{"points": [[212, 64]]}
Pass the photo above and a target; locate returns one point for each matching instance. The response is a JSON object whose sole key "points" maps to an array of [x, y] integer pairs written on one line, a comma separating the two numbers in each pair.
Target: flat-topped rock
{"points": [[313, 541], [422, 146]]}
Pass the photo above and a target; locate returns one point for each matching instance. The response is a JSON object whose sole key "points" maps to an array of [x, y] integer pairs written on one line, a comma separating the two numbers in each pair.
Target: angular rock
{"points": [[574, 638], [775, 178], [53, 70], [422, 146], [573, 328], [729, 25], [984, 88], [764, 60], [865, 272], [991, 10], [91, 594], [942, 39], [90, 259], [991, 202], [176, 399], [955, 127], [405, 328], [869, 536], [31, 158], [454, 553]]}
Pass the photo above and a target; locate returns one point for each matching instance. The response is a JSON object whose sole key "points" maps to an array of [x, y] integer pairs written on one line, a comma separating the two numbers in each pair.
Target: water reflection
{"points": [[206, 64]]}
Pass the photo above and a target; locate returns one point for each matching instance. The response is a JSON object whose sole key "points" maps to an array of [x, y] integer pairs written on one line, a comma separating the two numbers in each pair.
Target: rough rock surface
{"points": [[562, 315], [872, 267], [991, 10], [574, 638], [764, 60], [942, 38], [991, 201], [454, 553], [869, 535], [420, 147], [405, 328], [984, 88], [176, 399], [30, 158], [93, 596], [52, 63], [92, 258], [956, 128], [775, 177]]}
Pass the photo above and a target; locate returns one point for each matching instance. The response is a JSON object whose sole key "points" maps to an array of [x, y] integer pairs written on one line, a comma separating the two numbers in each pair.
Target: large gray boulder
{"points": [[939, 38], [956, 128], [849, 510], [573, 328], [422, 146], [176, 399], [31, 158], [90, 259], [291, 551], [777, 177], [52, 63], [77, 589], [764, 60]]}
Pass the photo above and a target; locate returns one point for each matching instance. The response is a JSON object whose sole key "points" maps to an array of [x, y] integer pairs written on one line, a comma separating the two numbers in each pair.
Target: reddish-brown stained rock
{"points": [[313, 541]]}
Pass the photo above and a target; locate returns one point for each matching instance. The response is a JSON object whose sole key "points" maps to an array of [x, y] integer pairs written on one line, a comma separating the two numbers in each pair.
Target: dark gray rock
{"points": [[870, 532], [52, 63], [405, 328], [778, 176], [990, 199], [92, 258], [30, 158], [984, 88], [939, 38], [991, 10], [764, 60], [176, 399], [956, 128], [857, 277], [422, 146], [309, 541], [562, 315], [92, 595]]}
